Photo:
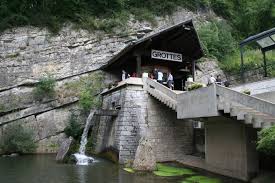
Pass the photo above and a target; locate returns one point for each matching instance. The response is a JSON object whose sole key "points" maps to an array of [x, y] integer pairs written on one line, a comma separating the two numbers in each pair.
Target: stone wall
{"points": [[142, 115]]}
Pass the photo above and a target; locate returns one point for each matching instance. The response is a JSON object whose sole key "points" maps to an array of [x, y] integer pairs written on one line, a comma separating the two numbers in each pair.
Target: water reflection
{"points": [[44, 169], [82, 173]]}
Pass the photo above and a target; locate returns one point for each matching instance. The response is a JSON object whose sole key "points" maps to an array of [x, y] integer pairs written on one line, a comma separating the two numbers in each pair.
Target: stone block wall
{"points": [[142, 115]]}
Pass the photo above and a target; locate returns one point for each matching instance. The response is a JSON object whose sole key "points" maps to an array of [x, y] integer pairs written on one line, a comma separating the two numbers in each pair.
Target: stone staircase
{"points": [[248, 109]]}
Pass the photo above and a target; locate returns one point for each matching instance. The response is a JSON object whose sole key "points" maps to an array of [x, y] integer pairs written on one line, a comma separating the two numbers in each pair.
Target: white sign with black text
{"points": [[164, 55]]}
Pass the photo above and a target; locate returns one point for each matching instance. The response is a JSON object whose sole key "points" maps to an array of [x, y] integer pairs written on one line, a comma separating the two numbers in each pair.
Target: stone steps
{"points": [[168, 101], [246, 114]]}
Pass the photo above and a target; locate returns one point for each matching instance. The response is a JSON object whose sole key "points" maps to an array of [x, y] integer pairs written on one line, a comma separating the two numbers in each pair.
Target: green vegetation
{"points": [[253, 59], [247, 17], [45, 88], [195, 86], [17, 139], [73, 129], [201, 179], [167, 171], [216, 38], [88, 90], [130, 170], [90, 145], [219, 37], [246, 91], [266, 142]]}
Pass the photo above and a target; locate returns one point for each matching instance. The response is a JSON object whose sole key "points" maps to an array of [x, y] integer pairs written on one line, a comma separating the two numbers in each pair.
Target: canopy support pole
{"points": [[242, 65], [138, 58], [265, 69], [193, 69]]}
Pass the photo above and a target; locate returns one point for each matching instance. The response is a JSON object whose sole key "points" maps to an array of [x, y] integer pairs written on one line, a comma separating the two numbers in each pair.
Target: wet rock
{"points": [[145, 159], [64, 149], [13, 155], [145, 29]]}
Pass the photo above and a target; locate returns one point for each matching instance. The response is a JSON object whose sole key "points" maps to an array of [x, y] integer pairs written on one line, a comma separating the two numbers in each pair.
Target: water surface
{"points": [[44, 169]]}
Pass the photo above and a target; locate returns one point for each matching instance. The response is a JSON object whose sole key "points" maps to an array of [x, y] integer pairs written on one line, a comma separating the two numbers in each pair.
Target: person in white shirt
{"points": [[160, 77], [212, 80], [170, 81], [123, 76]]}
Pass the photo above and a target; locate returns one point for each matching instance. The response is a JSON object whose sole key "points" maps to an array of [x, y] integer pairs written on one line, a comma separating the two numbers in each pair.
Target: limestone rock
{"points": [[64, 148], [145, 159]]}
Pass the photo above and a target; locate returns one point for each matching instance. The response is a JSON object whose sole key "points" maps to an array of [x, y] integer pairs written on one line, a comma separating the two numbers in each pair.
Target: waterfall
{"points": [[81, 158]]}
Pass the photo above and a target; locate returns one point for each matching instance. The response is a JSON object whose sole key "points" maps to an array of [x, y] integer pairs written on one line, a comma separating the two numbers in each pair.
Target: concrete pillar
{"points": [[193, 69], [138, 58], [230, 148]]}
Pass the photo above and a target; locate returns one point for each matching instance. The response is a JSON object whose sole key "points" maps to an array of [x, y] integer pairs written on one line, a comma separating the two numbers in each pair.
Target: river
{"points": [[44, 169]]}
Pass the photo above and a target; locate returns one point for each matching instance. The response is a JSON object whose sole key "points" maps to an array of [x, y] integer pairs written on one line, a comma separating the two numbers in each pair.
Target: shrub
{"points": [[73, 129], [89, 96], [246, 91], [195, 86], [45, 88], [17, 139], [266, 142]]}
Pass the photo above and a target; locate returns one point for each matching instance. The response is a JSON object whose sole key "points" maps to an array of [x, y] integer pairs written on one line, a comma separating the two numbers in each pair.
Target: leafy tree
{"points": [[266, 142], [17, 139], [73, 129], [89, 96], [216, 38]]}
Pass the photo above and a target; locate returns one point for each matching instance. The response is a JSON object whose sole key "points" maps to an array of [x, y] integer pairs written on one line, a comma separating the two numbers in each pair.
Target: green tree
{"points": [[17, 139], [73, 129], [216, 38], [90, 92], [266, 142]]}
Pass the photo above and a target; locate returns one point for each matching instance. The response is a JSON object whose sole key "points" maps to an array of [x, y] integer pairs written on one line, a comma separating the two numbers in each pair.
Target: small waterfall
{"points": [[82, 159]]}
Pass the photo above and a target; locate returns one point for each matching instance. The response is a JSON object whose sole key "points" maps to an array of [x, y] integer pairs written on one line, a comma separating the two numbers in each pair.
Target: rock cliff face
{"points": [[28, 53]]}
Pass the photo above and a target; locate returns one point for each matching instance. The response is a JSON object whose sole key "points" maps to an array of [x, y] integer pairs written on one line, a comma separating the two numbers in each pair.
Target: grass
{"points": [[253, 59], [168, 171]]}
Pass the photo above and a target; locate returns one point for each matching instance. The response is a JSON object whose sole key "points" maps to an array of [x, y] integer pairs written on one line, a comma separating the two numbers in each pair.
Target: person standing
{"points": [[212, 80], [219, 80], [160, 77], [155, 74], [123, 76], [170, 81]]}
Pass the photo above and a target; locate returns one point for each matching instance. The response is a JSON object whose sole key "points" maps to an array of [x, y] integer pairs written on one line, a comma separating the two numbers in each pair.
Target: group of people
{"points": [[217, 80], [158, 75]]}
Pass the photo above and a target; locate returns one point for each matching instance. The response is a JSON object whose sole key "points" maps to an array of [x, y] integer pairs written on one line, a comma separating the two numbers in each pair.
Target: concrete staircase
{"points": [[162, 93], [251, 110], [246, 114], [248, 109]]}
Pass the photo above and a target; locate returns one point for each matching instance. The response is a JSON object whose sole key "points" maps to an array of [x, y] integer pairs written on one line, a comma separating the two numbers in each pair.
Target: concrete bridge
{"points": [[215, 100], [166, 117]]}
